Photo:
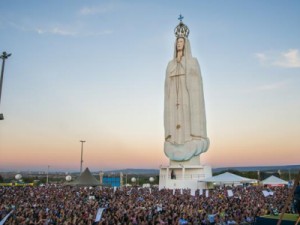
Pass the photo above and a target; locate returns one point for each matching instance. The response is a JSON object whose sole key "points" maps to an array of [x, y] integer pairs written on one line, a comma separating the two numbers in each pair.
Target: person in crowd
{"points": [[64, 205]]}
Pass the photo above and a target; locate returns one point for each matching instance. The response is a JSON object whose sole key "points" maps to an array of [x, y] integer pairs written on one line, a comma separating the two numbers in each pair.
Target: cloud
{"points": [[91, 11], [78, 33], [98, 33], [74, 30], [18, 26], [289, 59], [95, 10], [261, 57], [286, 59], [56, 31], [268, 87], [272, 86], [31, 27]]}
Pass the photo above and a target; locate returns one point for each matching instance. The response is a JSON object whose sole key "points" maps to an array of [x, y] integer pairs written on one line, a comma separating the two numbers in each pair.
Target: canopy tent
{"points": [[228, 178], [274, 181], [85, 179]]}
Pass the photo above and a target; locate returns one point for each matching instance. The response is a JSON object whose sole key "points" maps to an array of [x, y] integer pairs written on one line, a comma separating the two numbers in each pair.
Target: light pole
{"points": [[81, 161], [4, 56], [48, 174]]}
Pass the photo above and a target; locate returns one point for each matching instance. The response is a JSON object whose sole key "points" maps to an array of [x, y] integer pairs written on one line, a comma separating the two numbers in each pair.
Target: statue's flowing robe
{"points": [[184, 111]]}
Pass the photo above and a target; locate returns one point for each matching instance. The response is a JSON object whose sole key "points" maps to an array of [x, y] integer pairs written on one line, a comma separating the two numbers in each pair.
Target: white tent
{"points": [[272, 180], [228, 178]]}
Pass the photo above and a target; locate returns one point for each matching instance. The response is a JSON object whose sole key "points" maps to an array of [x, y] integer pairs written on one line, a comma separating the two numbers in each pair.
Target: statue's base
{"points": [[181, 176]]}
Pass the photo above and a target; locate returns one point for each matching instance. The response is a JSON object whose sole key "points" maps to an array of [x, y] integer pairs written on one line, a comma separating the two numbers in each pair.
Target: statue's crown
{"points": [[181, 30]]}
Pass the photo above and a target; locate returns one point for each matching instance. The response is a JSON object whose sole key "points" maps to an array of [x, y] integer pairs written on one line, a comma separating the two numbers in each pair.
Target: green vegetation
{"points": [[290, 217]]}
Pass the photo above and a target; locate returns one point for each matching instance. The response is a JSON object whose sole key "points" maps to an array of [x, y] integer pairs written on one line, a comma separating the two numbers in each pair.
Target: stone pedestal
{"points": [[184, 176]]}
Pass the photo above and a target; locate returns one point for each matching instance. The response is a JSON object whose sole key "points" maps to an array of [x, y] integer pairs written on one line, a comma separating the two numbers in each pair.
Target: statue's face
{"points": [[180, 44]]}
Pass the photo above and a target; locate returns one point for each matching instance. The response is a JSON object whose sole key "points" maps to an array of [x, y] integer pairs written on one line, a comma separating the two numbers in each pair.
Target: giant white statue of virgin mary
{"points": [[184, 110]]}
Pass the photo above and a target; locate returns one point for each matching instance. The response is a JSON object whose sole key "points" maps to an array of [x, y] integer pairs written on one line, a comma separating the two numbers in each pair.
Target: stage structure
{"points": [[184, 118]]}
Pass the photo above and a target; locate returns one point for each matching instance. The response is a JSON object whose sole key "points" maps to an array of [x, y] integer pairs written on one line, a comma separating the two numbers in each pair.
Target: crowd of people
{"points": [[65, 205]]}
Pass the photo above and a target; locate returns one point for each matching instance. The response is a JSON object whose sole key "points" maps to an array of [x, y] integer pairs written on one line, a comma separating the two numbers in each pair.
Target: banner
{"points": [[229, 193], [201, 192], [6, 217], [6, 184], [207, 193], [98, 215], [24, 184], [158, 207], [193, 192], [265, 193], [129, 192], [183, 222]]}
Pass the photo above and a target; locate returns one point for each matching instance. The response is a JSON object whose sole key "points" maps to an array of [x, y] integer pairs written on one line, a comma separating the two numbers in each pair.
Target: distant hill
{"points": [[135, 171], [292, 168]]}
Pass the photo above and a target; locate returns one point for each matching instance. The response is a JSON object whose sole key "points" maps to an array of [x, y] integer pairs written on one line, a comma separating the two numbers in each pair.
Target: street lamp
{"points": [[4, 56], [81, 161], [18, 176], [68, 178], [48, 175], [133, 180]]}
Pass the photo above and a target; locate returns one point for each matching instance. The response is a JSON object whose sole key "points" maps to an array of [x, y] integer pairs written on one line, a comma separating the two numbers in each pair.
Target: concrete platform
{"points": [[180, 176]]}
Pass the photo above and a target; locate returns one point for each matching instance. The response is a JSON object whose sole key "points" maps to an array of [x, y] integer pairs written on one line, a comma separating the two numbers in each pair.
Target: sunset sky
{"points": [[95, 70]]}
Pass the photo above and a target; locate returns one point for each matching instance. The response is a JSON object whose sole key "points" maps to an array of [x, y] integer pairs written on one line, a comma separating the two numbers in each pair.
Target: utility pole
{"points": [[81, 161], [4, 56]]}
